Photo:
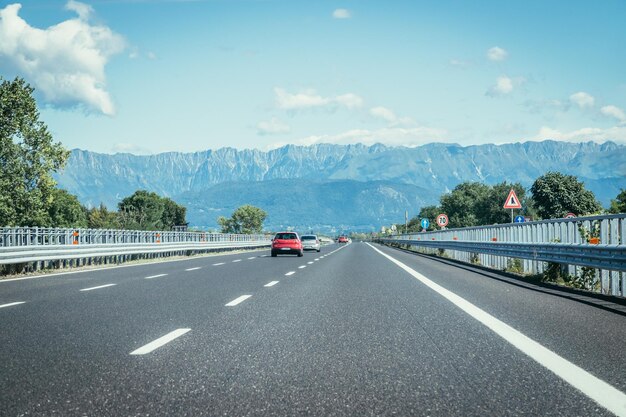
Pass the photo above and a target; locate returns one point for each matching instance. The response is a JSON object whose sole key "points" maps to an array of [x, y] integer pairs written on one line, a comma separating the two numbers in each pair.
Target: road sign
{"points": [[570, 215], [519, 219], [442, 220], [425, 223], [512, 202]]}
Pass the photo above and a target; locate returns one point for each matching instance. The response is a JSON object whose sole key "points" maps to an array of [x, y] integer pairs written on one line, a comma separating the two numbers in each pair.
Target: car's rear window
{"points": [[285, 236], [309, 237]]}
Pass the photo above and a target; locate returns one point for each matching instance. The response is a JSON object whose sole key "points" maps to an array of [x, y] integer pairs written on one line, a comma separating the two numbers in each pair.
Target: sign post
{"points": [[512, 202]]}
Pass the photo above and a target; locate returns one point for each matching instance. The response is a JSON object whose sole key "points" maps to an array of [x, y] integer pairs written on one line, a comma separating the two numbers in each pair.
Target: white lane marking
{"points": [[193, 269], [290, 273], [252, 257], [218, 264], [310, 263], [159, 342], [317, 259], [12, 304], [271, 284], [98, 287], [155, 276], [593, 387], [237, 260], [238, 300], [302, 267]]}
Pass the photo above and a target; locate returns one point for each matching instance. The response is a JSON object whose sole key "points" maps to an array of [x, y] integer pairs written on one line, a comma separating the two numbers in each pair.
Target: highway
{"points": [[356, 330]]}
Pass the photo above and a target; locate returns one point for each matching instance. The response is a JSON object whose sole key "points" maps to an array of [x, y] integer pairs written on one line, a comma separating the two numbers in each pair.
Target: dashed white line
{"points": [[12, 304], [193, 269], [310, 263], [593, 387], [237, 260], [271, 284], [155, 276], [98, 287], [290, 273], [218, 264], [159, 342], [302, 267], [252, 257], [317, 259], [238, 300]]}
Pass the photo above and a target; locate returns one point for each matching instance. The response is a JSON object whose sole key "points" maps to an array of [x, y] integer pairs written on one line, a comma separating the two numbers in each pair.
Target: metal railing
{"points": [[577, 243], [25, 244]]}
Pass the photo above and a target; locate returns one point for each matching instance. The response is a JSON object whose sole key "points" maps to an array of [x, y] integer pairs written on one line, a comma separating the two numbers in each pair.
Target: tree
{"points": [[102, 218], [427, 212], [556, 194], [146, 210], [66, 211], [28, 157], [461, 205], [619, 204], [246, 219]]}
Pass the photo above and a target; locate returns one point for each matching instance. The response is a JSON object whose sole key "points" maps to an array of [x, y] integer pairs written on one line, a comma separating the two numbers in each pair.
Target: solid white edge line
{"points": [[290, 273], [271, 284], [159, 342], [593, 387], [155, 276], [193, 269], [98, 287], [154, 262], [238, 300], [12, 304]]}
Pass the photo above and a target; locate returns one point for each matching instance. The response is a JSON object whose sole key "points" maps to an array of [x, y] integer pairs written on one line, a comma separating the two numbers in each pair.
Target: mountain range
{"points": [[334, 187]]}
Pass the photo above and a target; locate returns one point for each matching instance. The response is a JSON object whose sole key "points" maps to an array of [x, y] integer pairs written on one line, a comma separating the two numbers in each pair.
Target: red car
{"points": [[342, 239], [287, 243]]}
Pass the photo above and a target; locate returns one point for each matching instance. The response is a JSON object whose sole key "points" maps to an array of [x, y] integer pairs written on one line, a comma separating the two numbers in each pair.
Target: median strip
{"points": [[238, 300], [98, 287], [159, 342], [15, 303]]}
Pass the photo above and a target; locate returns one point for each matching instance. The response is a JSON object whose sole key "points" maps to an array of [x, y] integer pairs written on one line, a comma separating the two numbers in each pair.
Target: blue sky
{"points": [[148, 76]]}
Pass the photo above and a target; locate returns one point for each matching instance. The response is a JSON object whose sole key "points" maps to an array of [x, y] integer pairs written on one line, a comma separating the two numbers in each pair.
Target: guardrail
{"points": [[42, 245], [577, 243]]}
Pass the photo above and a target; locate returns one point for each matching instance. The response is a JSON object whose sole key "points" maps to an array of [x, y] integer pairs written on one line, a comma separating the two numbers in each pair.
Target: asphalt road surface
{"points": [[356, 330]]}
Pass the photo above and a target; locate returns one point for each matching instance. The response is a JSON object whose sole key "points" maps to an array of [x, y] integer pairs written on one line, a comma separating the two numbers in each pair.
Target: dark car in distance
{"points": [[287, 243]]}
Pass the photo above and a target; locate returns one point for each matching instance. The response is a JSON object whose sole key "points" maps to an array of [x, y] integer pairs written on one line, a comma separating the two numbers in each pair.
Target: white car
{"points": [[310, 242]]}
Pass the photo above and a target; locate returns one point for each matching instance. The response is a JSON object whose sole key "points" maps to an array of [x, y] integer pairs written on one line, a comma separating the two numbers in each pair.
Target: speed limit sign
{"points": [[442, 220]]}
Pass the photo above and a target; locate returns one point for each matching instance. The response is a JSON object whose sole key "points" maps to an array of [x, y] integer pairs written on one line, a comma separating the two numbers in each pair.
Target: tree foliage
{"points": [[619, 204], [66, 211], [102, 218], [462, 205], [28, 157], [246, 219], [146, 210], [556, 194]]}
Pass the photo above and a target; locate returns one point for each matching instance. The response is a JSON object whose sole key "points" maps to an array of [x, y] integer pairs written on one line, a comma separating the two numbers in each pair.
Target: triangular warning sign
{"points": [[512, 202]]}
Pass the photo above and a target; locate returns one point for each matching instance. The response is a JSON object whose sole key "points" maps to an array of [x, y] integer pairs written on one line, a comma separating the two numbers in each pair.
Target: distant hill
{"points": [[377, 180]]}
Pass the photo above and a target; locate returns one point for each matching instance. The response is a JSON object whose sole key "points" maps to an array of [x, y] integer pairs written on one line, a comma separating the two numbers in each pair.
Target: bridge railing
{"points": [[32, 244], [584, 242]]}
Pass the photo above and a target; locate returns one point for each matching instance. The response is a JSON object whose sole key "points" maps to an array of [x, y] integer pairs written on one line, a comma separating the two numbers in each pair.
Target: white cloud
{"points": [[617, 134], [309, 99], [615, 112], [504, 85], [342, 14], [273, 127], [497, 54], [392, 136], [64, 62], [383, 113], [582, 99]]}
